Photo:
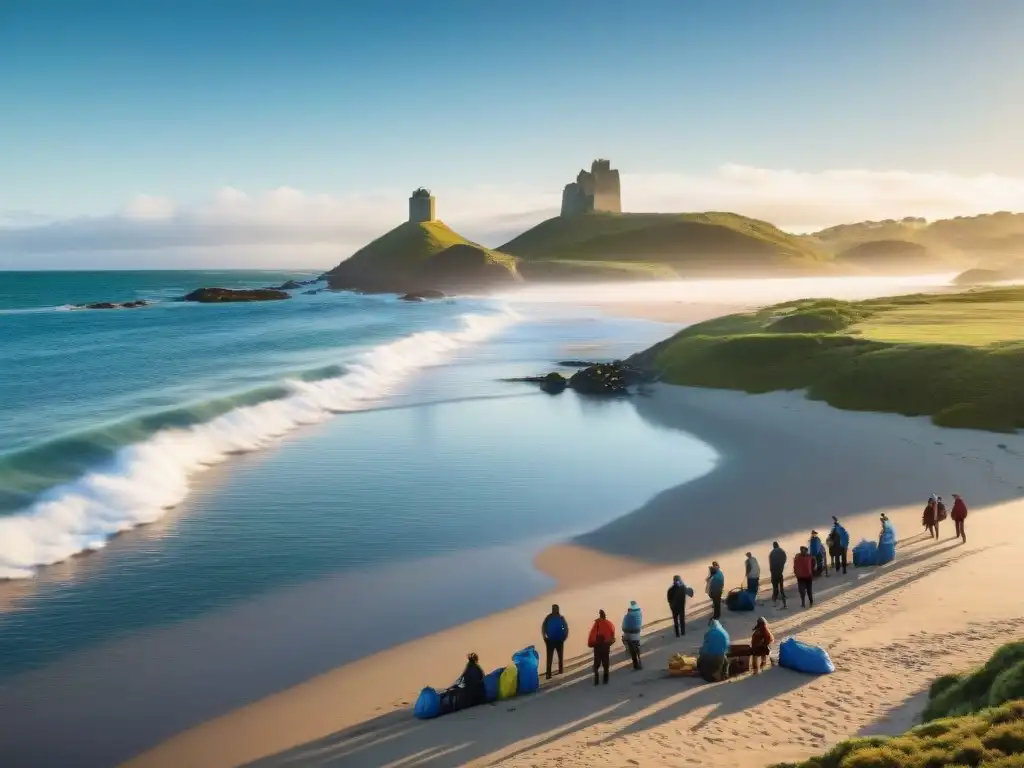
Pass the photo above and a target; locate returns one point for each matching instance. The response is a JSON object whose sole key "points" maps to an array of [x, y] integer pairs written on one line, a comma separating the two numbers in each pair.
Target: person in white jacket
{"points": [[753, 571]]}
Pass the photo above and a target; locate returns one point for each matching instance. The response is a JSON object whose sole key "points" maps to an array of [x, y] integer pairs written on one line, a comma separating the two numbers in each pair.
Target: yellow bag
{"points": [[508, 682]]}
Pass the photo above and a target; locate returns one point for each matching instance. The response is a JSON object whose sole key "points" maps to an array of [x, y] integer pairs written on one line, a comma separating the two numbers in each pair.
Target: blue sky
{"points": [[103, 101]]}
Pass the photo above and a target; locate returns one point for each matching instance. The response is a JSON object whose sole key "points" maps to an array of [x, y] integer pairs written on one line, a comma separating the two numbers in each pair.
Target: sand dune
{"points": [[789, 464]]}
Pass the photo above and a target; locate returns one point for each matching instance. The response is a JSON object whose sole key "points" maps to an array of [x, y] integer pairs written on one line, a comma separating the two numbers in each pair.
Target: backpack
{"points": [[940, 511]]}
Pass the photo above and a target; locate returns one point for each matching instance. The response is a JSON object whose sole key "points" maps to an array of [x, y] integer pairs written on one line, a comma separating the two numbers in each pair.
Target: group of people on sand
{"points": [[812, 561], [935, 513]]}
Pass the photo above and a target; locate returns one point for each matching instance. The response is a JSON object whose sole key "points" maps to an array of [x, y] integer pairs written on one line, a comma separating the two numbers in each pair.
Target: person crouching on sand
{"points": [[473, 682], [803, 569], [632, 625], [715, 587], [555, 631], [777, 566], [761, 641], [959, 515], [602, 635], [676, 596]]}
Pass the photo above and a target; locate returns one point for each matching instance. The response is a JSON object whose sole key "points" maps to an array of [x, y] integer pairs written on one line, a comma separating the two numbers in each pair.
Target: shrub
{"points": [[1008, 685]]}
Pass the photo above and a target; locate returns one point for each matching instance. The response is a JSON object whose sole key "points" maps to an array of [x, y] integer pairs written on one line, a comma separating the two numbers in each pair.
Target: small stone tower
{"points": [[594, 190], [421, 206]]}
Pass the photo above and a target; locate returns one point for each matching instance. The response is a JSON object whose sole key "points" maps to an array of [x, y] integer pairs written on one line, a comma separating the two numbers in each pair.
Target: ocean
{"points": [[169, 462]]}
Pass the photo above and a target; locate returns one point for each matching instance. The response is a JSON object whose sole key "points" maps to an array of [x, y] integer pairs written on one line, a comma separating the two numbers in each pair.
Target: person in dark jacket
{"points": [[959, 515], [555, 631], [928, 518], [473, 682], [677, 595], [777, 566]]}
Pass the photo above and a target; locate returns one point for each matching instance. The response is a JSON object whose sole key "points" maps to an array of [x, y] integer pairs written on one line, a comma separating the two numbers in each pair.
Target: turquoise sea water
{"points": [[248, 449]]}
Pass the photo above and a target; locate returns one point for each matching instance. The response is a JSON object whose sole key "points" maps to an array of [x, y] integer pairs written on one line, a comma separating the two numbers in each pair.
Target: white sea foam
{"points": [[146, 479]]}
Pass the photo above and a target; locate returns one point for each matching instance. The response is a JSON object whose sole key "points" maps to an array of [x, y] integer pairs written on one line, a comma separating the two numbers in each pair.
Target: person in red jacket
{"points": [[602, 636], [803, 569], [959, 515]]}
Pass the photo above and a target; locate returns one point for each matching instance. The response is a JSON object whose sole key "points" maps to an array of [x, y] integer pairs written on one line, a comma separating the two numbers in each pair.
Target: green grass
{"points": [[683, 239], [422, 255], [953, 357], [581, 270], [975, 719]]}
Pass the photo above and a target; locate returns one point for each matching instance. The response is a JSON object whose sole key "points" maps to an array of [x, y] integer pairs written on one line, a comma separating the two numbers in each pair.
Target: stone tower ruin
{"points": [[421, 206], [596, 190]]}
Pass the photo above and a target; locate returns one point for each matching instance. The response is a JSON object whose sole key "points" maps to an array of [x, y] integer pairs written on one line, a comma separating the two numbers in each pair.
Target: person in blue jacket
{"points": [[840, 541], [555, 631], [817, 551], [632, 626], [715, 587]]}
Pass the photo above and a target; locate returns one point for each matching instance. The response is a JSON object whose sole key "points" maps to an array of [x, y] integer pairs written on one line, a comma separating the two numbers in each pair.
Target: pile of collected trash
{"points": [[682, 666], [518, 678], [868, 553]]}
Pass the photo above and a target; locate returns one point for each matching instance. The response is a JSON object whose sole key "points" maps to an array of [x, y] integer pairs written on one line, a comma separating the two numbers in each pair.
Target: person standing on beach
{"points": [[777, 567], [959, 515], [803, 569], [602, 635], [940, 514], [753, 571], [677, 595], [839, 541], [632, 626], [817, 550], [555, 631], [715, 587], [928, 518]]}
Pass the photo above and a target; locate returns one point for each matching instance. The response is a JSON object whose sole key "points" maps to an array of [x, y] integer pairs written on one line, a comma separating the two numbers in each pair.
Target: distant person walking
{"points": [[959, 515], [602, 635], [555, 631], [803, 569], [676, 596], [928, 517], [777, 567], [753, 571], [632, 626], [715, 586]]}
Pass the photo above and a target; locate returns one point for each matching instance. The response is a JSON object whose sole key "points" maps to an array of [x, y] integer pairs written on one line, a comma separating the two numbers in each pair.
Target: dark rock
{"points": [[288, 285], [136, 303], [423, 295], [224, 295], [553, 383], [577, 363], [600, 380], [101, 305], [312, 292]]}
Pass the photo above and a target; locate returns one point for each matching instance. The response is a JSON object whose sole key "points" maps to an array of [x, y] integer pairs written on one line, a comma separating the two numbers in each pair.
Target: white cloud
{"points": [[287, 226]]}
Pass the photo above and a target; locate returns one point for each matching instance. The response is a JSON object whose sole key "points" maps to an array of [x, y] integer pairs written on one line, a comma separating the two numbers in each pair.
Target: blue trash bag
{"points": [[716, 640], [809, 659], [844, 537], [527, 661], [491, 684], [886, 553], [865, 554], [428, 704], [740, 600], [888, 534]]}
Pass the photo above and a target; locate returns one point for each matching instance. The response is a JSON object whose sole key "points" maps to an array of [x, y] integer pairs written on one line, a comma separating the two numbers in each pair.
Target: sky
{"points": [[271, 133]]}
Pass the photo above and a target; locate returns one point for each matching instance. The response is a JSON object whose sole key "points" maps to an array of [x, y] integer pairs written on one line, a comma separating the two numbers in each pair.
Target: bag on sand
{"points": [[491, 684], [508, 683], [740, 599], [809, 659], [865, 554], [428, 704], [528, 677]]}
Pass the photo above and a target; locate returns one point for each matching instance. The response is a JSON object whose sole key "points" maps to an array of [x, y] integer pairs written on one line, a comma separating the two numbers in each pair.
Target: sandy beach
{"points": [[787, 465]]}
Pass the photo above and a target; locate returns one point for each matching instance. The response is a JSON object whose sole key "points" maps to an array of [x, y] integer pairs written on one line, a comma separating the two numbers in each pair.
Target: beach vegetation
{"points": [[973, 719], [953, 357]]}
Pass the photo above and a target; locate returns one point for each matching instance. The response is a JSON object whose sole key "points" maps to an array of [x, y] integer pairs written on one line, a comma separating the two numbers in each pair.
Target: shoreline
{"points": [[881, 463]]}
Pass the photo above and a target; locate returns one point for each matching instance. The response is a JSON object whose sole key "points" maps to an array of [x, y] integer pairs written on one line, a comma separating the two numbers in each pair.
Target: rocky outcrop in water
{"points": [[597, 379], [113, 305], [228, 295], [423, 295]]}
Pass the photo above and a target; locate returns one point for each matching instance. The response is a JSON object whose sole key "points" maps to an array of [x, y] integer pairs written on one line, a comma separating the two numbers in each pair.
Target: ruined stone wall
{"points": [[595, 190], [421, 208]]}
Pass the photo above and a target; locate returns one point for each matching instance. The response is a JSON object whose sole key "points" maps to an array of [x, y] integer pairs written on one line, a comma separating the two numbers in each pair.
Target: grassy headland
{"points": [[970, 720], [414, 256], [658, 245], [958, 358]]}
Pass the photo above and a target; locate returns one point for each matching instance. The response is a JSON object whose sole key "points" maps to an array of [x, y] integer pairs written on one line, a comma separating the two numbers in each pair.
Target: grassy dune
{"points": [[675, 240], [970, 720], [958, 358]]}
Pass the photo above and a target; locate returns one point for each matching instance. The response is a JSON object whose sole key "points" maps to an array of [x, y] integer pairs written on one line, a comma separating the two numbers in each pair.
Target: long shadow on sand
{"points": [[795, 471], [632, 703]]}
